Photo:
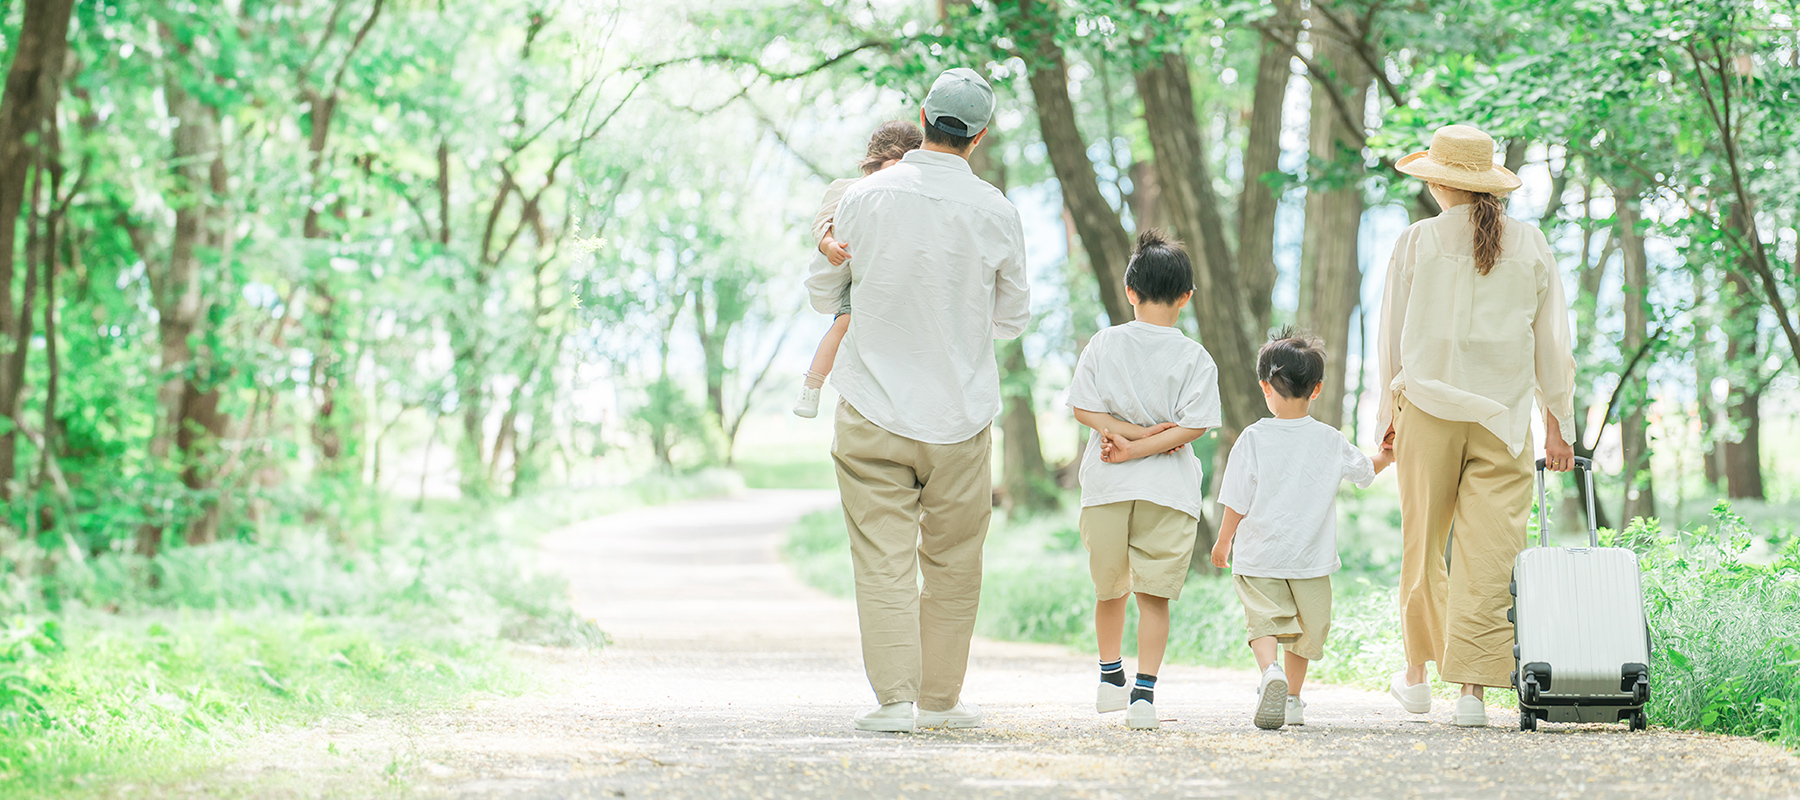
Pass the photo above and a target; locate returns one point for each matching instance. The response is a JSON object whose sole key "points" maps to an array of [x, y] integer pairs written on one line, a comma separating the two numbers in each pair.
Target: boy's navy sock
{"points": [[1145, 688], [1113, 672]]}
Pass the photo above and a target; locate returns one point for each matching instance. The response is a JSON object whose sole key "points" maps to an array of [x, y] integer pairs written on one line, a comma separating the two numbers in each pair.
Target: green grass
{"points": [[798, 472], [124, 668], [1725, 629]]}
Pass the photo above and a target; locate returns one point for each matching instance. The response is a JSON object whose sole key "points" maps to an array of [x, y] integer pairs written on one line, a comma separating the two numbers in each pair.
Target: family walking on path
{"points": [[931, 258]]}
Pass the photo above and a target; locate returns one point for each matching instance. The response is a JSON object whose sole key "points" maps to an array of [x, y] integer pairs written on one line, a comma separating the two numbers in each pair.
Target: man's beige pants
{"points": [[1458, 476], [912, 507]]}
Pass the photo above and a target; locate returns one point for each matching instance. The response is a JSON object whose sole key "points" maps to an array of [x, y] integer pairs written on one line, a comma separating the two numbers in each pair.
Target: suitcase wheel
{"points": [[1528, 720], [1640, 721]]}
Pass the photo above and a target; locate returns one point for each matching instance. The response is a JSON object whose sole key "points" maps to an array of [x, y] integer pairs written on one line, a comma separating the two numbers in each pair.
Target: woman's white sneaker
{"points": [[890, 718], [1415, 698], [1296, 711], [1271, 700], [1142, 716], [962, 715], [1112, 698], [1470, 712]]}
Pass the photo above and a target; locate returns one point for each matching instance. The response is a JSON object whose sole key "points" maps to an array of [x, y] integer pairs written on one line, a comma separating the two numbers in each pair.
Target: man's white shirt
{"points": [[936, 273]]}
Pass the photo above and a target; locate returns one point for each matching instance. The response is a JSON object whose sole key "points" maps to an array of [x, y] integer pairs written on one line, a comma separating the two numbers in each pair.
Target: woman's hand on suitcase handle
{"points": [[1559, 456]]}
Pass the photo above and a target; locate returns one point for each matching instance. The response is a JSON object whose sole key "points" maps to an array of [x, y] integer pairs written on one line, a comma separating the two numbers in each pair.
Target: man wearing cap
{"points": [[937, 271]]}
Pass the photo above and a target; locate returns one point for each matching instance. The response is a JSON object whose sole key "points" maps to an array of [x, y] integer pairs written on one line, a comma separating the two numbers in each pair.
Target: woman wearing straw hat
{"points": [[1473, 325]]}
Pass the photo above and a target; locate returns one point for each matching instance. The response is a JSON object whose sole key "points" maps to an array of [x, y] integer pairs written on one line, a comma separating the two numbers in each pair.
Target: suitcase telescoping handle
{"points": [[1586, 467]]}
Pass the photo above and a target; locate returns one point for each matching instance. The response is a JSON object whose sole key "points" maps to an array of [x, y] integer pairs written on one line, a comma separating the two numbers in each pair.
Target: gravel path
{"points": [[727, 679]]}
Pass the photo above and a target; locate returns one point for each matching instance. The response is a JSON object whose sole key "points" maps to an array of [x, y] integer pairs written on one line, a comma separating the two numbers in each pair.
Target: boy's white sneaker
{"points": [[1271, 699], [962, 715], [1142, 716], [1296, 711], [1415, 698], [1112, 698], [890, 718], [1470, 712], [807, 405]]}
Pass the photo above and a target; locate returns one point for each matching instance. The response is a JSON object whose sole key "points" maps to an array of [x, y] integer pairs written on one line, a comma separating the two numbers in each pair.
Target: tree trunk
{"points": [[1330, 274], [1027, 482], [1184, 177], [1102, 235], [1640, 494], [33, 84], [1257, 202], [191, 421], [1742, 461]]}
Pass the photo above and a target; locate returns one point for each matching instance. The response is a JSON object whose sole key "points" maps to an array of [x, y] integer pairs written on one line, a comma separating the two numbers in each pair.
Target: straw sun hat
{"points": [[1460, 157]]}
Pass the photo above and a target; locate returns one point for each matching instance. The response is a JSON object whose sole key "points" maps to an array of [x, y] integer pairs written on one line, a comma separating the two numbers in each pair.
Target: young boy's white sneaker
{"points": [[1112, 698], [1142, 716], [1470, 712], [962, 715], [1296, 711], [1415, 698], [807, 405], [1271, 700], [890, 718]]}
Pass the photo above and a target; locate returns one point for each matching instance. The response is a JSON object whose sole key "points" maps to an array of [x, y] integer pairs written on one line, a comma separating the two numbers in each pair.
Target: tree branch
{"points": [[1612, 402]]}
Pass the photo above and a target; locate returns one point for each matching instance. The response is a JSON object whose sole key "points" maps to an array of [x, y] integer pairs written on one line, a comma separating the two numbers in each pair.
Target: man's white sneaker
{"points": [[1470, 712], [1112, 698], [807, 405], [1415, 698], [1296, 711], [962, 715], [1271, 699], [1142, 716], [890, 718]]}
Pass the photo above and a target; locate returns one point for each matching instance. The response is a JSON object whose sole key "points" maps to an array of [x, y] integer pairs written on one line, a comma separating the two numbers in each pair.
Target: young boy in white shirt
{"points": [[1147, 390], [1280, 493]]}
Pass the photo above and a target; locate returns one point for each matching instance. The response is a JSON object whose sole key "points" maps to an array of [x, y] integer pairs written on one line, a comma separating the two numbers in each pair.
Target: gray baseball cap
{"points": [[960, 103]]}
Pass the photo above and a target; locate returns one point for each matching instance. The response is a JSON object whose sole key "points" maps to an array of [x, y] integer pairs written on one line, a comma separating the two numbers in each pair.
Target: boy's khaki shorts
{"points": [[1138, 546], [1296, 611]]}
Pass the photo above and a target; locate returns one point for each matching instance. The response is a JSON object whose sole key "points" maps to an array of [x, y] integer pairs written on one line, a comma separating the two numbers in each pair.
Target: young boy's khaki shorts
{"points": [[1296, 611], [1138, 546]]}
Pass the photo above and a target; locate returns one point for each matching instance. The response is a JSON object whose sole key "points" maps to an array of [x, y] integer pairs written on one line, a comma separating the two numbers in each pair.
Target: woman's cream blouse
{"points": [[1467, 347]]}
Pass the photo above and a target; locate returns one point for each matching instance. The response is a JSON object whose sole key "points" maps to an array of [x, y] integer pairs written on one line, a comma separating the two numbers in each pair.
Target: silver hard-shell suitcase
{"points": [[1583, 648]]}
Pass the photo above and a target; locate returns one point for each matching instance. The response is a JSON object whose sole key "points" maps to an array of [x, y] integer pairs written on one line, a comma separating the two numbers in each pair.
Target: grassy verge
{"points": [[1726, 631], [123, 668]]}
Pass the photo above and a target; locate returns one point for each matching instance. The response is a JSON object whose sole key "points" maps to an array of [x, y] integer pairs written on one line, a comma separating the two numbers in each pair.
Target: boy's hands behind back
{"points": [[1117, 447]]}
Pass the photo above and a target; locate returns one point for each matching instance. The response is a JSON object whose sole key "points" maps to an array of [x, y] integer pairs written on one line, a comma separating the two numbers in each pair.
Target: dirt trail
{"points": [[727, 679]]}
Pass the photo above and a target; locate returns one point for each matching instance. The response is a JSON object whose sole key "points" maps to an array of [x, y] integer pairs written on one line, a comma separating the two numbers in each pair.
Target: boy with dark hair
{"points": [[1147, 390], [1280, 492]]}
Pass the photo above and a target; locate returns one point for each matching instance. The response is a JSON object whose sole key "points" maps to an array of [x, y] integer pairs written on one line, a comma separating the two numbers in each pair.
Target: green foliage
{"points": [[149, 696], [1725, 629], [148, 666]]}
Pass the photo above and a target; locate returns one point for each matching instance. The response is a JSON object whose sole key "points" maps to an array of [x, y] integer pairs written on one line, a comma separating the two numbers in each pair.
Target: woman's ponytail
{"points": [[1489, 217]]}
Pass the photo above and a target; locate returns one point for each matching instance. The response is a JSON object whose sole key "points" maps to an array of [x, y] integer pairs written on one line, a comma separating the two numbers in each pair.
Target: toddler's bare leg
{"points": [[1265, 649], [1153, 632], [827, 353], [1109, 627], [1296, 673]]}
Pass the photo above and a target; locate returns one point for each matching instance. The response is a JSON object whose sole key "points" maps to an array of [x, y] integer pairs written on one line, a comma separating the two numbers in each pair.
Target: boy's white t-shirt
{"points": [[1146, 374], [1283, 477]]}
